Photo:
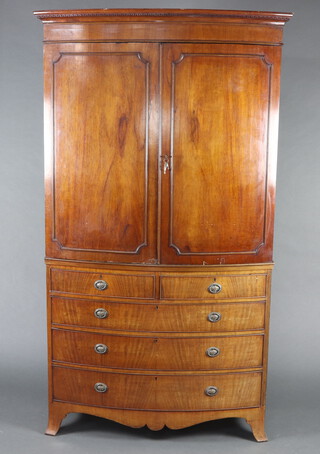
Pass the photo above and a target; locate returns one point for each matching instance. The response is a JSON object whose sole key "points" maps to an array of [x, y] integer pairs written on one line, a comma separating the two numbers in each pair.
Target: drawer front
{"points": [[157, 353], [162, 392], [213, 287], [117, 285], [161, 317]]}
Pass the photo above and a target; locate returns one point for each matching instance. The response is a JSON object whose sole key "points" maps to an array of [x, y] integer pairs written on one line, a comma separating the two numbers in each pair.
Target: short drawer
{"points": [[102, 284], [157, 392], [157, 353], [198, 317], [213, 287]]}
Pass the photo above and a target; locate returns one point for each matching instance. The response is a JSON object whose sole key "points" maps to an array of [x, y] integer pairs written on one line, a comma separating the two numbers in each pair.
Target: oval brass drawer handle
{"points": [[212, 352], [101, 313], [100, 284], [100, 387], [211, 391], [214, 288], [214, 317], [101, 348]]}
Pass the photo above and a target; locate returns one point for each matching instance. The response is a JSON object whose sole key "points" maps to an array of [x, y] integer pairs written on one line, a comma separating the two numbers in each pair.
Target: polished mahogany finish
{"points": [[157, 392], [164, 317], [193, 287], [150, 352], [160, 163], [111, 138], [98, 157], [130, 285], [218, 137]]}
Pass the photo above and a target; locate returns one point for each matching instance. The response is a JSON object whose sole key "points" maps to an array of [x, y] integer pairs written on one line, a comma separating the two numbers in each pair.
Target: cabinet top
{"points": [[163, 25], [106, 14]]}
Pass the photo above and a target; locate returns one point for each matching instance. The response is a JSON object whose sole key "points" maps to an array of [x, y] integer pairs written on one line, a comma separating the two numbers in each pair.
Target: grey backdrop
{"points": [[293, 422]]}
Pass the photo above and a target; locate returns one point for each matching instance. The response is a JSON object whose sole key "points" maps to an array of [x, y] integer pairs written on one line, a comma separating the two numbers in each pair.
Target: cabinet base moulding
{"points": [[157, 420]]}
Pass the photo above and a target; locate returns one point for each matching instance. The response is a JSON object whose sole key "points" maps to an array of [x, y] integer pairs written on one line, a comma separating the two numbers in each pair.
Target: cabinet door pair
{"points": [[160, 153]]}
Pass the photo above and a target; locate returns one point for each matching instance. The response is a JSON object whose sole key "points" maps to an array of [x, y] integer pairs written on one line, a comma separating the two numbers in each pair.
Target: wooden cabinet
{"points": [[160, 163]]}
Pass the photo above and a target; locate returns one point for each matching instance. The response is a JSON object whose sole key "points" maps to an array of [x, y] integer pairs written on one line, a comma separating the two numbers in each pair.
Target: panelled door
{"points": [[101, 151], [201, 131], [219, 122]]}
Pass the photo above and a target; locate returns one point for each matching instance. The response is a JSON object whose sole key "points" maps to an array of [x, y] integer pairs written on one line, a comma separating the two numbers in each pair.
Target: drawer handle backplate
{"points": [[211, 391], [213, 352], [101, 313], [214, 317], [100, 284], [214, 288], [101, 348], [100, 387]]}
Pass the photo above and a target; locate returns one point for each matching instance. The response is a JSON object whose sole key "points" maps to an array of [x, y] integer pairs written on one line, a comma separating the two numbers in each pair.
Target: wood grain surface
{"points": [[157, 392], [118, 285], [159, 317], [196, 287], [144, 352]]}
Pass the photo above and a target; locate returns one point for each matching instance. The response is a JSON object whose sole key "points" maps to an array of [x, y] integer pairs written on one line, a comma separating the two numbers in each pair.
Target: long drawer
{"points": [[198, 317], [213, 287], [157, 353], [157, 392], [108, 285]]}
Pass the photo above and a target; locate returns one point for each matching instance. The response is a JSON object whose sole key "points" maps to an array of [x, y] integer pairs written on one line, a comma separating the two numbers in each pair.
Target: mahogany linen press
{"points": [[161, 131]]}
